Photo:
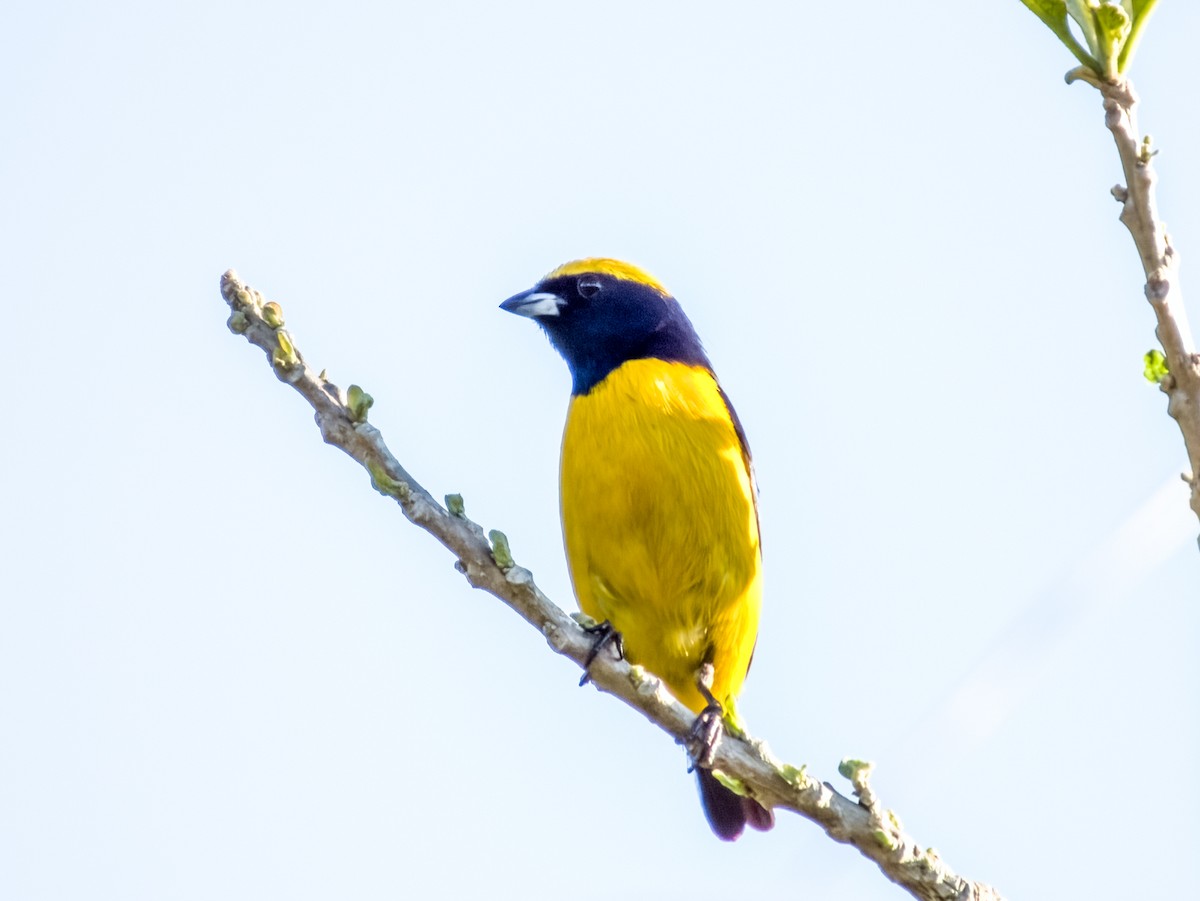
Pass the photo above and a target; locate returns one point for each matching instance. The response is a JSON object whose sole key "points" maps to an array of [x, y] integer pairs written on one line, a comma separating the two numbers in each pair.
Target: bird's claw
{"points": [[706, 732], [603, 635]]}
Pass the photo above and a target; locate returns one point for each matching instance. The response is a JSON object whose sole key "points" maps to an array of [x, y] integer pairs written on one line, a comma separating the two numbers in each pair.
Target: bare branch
{"points": [[1160, 263], [746, 764]]}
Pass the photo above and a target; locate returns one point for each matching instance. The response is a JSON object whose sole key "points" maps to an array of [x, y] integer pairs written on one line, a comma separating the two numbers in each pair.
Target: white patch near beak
{"points": [[538, 303]]}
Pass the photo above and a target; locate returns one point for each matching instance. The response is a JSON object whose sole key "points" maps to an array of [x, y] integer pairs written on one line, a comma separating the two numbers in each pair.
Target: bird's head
{"points": [[600, 313]]}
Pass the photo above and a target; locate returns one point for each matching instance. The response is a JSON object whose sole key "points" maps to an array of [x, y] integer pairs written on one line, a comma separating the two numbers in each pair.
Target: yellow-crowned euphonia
{"points": [[658, 502]]}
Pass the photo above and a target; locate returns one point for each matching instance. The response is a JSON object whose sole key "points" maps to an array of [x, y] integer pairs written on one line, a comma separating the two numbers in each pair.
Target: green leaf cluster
{"points": [[1110, 29], [1155, 369]]}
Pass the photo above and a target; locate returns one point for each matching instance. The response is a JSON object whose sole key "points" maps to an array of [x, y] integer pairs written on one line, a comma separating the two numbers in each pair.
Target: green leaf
{"points": [[1139, 11], [1049, 11], [1156, 366], [1110, 28], [1112, 31], [1081, 11], [1054, 14]]}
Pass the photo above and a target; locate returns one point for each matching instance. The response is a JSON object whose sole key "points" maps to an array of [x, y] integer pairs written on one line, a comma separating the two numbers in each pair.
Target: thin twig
{"points": [[1160, 263], [746, 764]]}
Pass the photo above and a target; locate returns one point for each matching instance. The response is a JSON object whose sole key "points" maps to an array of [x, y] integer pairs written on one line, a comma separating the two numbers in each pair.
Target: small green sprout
{"points": [[272, 314], [358, 402], [854, 769], [1155, 369], [385, 484], [794, 776], [284, 356], [501, 552]]}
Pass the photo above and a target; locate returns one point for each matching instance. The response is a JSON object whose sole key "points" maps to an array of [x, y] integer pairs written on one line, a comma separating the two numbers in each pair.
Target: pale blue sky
{"points": [[229, 669]]}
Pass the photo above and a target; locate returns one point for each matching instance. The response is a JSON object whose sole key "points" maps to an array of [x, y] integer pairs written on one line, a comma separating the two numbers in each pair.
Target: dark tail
{"points": [[728, 813]]}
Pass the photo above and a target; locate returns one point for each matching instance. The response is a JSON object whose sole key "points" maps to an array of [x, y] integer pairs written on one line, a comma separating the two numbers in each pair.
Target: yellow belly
{"points": [[660, 526]]}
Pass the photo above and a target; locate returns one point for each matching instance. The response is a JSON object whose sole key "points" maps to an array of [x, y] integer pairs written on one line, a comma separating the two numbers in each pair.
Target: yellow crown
{"points": [[615, 268]]}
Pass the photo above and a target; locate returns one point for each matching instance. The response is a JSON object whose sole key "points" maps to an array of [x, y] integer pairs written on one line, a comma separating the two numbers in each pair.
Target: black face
{"points": [[605, 321]]}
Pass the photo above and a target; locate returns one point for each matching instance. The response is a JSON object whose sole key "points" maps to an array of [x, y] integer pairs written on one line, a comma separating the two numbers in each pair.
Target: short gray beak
{"points": [[533, 303]]}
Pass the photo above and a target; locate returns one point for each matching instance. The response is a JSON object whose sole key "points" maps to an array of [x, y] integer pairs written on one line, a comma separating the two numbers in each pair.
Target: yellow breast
{"points": [[659, 522]]}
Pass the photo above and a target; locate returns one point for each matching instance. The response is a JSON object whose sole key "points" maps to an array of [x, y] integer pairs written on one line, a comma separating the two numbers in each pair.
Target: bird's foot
{"points": [[709, 723], [706, 732], [603, 634]]}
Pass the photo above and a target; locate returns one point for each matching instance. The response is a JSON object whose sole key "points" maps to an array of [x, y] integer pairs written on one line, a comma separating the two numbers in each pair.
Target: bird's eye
{"points": [[589, 286]]}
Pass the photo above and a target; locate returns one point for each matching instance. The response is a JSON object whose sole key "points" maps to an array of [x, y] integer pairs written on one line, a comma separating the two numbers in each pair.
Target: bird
{"points": [[657, 498]]}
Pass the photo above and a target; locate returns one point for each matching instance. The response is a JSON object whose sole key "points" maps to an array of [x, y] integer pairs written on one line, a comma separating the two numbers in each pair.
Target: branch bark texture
{"points": [[1160, 263], [487, 564]]}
